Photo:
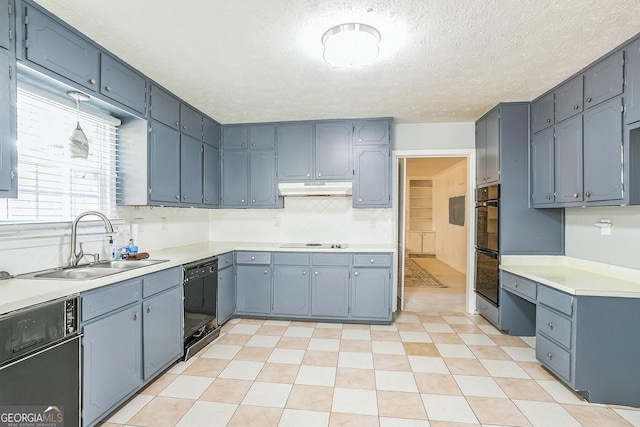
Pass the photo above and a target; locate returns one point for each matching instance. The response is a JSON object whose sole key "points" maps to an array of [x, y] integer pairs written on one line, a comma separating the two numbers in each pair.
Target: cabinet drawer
{"points": [[519, 285], [487, 310], [253, 257], [554, 357], [225, 260], [372, 260], [100, 301], [158, 282], [330, 259], [556, 300], [288, 258], [554, 326]]}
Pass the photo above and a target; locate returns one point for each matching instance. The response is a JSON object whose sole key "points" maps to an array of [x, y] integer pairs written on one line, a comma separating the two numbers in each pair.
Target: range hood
{"points": [[310, 189]]}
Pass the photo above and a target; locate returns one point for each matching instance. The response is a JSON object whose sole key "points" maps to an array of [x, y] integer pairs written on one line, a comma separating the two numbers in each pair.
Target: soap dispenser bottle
{"points": [[112, 249]]}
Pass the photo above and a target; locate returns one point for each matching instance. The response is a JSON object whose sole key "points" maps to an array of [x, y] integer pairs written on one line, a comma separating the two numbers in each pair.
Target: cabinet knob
{"points": [[516, 284], [184, 126], [588, 99], [359, 200], [178, 196], [92, 81], [587, 194], [241, 200], [266, 271], [548, 197], [355, 273], [575, 195], [184, 197], [371, 260], [253, 145], [107, 88], [253, 258], [149, 309], [315, 272], [360, 140], [575, 107], [135, 315], [253, 201], [177, 124], [206, 200], [206, 137], [548, 120], [319, 174], [550, 325], [308, 174], [304, 272], [550, 356]]}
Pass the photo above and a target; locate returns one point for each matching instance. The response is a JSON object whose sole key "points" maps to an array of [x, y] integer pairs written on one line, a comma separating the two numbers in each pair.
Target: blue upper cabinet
{"points": [[372, 132], [235, 137], [262, 137], [569, 99], [123, 84], [190, 122], [632, 83], [372, 164], [333, 151], [210, 132], [57, 48], [542, 113], [6, 24], [604, 80], [164, 107], [164, 164], [295, 152]]}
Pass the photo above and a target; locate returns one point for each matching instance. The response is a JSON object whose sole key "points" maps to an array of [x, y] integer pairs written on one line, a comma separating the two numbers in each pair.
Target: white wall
{"points": [[451, 240], [583, 239], [433, 136]]}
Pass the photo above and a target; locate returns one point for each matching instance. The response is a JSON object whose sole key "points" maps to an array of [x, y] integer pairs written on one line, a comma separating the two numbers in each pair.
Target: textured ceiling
{"points": [[440, 61]]}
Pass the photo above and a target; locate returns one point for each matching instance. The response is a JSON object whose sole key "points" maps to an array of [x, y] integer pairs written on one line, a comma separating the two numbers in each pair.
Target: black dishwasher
{"points": [[40, 365], [200, 304]]}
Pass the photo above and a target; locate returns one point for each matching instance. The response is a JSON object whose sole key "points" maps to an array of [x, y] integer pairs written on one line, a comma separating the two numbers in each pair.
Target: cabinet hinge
{"points": [[10, 72], [10, 34], [26, 19], [26, 44], [13, 174], [10, 10]]}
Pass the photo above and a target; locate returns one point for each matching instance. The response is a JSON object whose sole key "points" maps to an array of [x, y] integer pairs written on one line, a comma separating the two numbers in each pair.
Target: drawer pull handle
{"points": [[550, 325], [550, 356]]}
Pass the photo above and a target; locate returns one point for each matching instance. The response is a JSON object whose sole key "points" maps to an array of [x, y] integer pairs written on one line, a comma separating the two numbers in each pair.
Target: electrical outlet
{"points": [[372, 223]]}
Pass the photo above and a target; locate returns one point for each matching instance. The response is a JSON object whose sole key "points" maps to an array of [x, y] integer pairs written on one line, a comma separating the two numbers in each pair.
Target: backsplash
{"points": [[305, 219]]}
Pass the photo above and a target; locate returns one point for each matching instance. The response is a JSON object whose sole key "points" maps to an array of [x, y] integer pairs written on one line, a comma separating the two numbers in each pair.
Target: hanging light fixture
{"points": [[351, 45], [78, 142]]}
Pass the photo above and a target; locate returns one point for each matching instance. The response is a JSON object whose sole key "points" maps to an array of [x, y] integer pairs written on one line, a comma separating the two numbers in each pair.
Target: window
{"points": [[51, 185]]}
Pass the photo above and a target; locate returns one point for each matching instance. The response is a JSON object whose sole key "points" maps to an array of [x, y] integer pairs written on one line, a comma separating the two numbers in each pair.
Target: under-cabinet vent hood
{"points": [[309, 189]]}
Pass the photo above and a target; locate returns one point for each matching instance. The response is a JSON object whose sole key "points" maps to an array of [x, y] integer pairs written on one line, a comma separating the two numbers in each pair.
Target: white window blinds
{"points": [[51, 185]]}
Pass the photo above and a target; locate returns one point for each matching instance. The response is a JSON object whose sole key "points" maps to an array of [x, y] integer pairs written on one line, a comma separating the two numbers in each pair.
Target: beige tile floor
{"points": [[431, 367]]}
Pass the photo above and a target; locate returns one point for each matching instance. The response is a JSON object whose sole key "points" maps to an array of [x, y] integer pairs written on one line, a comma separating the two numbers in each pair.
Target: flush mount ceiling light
{"points": [[78, 142], [351, 45]]}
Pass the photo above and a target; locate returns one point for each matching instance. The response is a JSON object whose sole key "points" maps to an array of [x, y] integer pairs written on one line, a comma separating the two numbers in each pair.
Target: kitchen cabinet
{"points": [[632, 83], [164, 164], [211, 175], [371, 287], [488, 148], [253, 283], [295, 152], [542, 113], [333, 151], [291, 284], [164, 107], [568, 161], [8, 147], [372, 132], [7, 24], [226, 288], [162, 330], [372, 177], [604, 80], [262, 178], [210, 132], [123, 84], [543, 168], [190, 122], [330, 285], [57, 48], [569, 99], [235, 179], [191, 177]]}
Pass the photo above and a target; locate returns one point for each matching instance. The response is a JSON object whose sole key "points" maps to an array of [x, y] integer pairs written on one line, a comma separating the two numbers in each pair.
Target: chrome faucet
{"points": [[74, 257]]}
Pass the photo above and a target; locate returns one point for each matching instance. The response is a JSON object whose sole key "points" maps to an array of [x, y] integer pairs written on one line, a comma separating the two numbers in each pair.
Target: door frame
{"points": [[470, 155]]}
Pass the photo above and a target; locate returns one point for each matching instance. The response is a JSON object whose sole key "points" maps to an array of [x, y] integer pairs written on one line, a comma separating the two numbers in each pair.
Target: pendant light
{"points": [[78, 142]]}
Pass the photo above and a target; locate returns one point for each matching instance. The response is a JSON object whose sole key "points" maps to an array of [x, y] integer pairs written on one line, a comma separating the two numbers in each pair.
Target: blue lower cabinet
{"points": [[226, 295], [291, 290], [162, 330], [371, 293], [330, 292], [253, 289]]}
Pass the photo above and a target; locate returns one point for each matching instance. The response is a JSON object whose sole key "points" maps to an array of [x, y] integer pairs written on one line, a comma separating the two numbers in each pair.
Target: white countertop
{"points": [[575, 276], [19, 293]]}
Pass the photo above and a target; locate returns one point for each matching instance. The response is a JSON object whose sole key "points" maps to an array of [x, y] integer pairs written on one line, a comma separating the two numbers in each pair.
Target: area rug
{"points": [[416, 276]]}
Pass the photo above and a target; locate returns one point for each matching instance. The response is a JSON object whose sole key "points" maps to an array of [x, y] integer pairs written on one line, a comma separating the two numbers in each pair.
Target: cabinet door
{"points": [[211, 175], [542, 168], [211, 132], [371, 293], [481, 151], [262, 137], [162, 330], [111, 361], [61, 50], [164, 107], [333, 151], [493, 147], [235, 137], [291, 290], [632, 83], [226, 295], [604, 80], [569, 99], [542, 113], [8, 148], [191, 170], [603, 152], [123, 84], [235, 178], [568, 161], [190, 122], [253, 289], [295, 152], [330, 292], [264, 188], [164, 158], [372, 181], [5, 25], [372, 132]]}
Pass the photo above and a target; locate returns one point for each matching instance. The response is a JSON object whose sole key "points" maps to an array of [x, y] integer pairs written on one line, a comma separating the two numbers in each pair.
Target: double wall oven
{"points": [[487, 242]]}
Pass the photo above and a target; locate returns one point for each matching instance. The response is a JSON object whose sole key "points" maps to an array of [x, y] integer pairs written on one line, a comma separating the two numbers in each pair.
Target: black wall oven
{"points": [[487, 242]]}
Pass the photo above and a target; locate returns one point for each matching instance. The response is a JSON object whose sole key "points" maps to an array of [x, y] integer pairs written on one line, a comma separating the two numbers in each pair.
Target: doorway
{"points": [[434, 217]]}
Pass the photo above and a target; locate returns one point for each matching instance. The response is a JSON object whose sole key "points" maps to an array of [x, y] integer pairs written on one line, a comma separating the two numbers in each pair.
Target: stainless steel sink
{"points": [[90, 271]]}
